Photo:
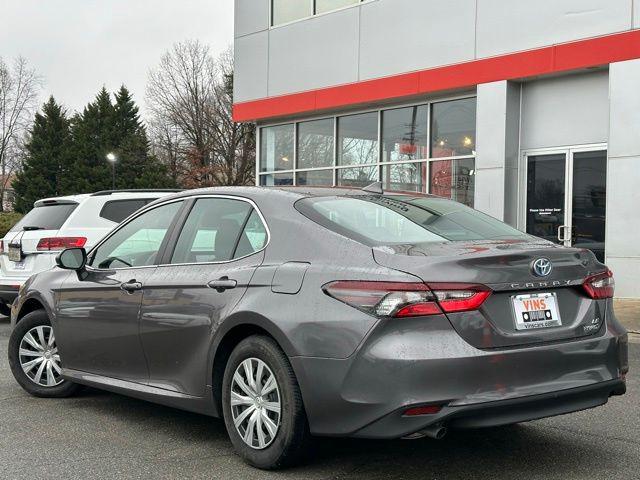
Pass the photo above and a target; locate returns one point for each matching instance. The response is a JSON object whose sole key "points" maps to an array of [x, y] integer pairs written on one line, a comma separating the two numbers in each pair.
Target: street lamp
{"points": [[112, 159]]}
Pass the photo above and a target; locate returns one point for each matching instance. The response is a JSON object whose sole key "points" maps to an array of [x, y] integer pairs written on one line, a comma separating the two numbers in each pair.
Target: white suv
{"points": [[58, 223]]}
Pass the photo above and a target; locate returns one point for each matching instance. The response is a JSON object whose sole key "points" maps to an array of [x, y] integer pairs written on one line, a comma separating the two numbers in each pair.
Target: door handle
{"points": [[131, 286], [222, 284], [562, 229]]}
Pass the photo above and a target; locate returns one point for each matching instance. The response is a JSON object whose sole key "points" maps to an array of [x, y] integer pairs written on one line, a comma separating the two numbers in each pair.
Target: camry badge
{"points": [[542, 267]]}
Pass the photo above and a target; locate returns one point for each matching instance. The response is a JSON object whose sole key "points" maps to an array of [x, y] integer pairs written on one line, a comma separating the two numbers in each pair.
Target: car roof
{"points": [[286, 191]]}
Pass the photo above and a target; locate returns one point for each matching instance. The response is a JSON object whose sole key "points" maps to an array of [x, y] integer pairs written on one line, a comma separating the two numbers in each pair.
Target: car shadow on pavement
{"points": [[504, 452]]}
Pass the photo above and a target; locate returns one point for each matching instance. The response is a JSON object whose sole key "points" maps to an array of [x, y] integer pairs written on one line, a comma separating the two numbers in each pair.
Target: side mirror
{"points": [[72, 259]]}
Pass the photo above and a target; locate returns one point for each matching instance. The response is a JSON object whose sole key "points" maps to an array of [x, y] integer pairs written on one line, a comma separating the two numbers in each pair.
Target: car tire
{"points": [[42, 378], [291, 440], [5, 310]]}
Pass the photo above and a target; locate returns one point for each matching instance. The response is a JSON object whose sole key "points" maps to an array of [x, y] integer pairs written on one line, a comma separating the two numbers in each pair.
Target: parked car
{"points": [[292, 312], [58, 223]]}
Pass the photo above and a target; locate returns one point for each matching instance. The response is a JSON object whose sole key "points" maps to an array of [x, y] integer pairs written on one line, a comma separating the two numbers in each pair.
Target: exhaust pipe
{"points": [[437, 432]]}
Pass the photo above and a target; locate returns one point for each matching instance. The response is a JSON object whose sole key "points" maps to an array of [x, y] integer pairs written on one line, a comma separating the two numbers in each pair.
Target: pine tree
{"points": [[102, 128], [136, 167], [47, 159]]}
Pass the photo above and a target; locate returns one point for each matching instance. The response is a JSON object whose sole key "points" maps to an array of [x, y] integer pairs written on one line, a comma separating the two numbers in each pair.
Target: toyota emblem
{"points": [[542, 267]]}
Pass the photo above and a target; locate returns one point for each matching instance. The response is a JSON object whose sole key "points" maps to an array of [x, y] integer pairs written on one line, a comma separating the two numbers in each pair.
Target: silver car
{"points": [[300, 312]]}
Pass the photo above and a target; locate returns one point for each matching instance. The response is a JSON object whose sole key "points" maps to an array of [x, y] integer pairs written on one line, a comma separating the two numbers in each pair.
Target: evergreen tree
{"points": [[47, 159], [102, 128]]}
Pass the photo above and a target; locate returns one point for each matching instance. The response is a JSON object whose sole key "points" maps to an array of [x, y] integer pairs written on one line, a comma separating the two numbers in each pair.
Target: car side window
{"points": [[137, 243], [117, 210], [253, 238], [215, 230]]}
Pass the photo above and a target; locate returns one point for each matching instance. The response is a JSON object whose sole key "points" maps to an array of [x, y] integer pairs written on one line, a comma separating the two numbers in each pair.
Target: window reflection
{"points": [[276, 179], [358, 139], [408, 177], [276, 148], [404, 134], [453, 127], [315, 143], [316, 178], [357, 177], [454, 179]]}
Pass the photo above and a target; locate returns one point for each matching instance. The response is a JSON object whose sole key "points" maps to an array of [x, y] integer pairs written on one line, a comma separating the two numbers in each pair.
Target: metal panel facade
{"points": [[570, 110], [404, 35]]}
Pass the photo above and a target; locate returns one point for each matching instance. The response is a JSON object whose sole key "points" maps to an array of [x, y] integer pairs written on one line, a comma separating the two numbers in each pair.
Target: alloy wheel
{"points": [[39, 357], [255, 403]]}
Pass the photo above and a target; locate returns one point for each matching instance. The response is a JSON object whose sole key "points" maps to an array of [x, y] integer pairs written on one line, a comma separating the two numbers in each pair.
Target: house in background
{"points": [[528, 112]]}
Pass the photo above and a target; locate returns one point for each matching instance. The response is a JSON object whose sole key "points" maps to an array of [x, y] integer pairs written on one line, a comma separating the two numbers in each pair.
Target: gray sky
{"points": [[78, 46]]}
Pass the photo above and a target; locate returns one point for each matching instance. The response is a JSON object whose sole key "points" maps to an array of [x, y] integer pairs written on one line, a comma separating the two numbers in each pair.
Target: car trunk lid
{"points": [[506, 267]]}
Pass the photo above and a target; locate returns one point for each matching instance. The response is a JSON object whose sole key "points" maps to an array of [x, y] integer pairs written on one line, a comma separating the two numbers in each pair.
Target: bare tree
{"points": [[190, 97], [19, 87]]}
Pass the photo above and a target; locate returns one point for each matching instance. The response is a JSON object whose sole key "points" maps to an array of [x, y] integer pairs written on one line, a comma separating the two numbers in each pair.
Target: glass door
{"points": [[588, 200], [546, 199], [566, 197]]}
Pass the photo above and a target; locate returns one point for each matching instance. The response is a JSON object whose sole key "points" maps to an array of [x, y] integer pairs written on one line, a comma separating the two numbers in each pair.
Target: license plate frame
{"points": [[14, 252], [533, 311]]}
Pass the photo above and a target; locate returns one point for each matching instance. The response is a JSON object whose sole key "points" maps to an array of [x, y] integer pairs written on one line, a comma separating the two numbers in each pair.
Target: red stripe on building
{"points": [[563, 57]]}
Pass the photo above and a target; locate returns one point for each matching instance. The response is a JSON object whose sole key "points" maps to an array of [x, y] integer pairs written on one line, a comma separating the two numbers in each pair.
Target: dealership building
{"points": [[528, 111]]}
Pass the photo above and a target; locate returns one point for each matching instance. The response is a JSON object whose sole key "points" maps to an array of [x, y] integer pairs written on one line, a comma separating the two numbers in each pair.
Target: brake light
{"points": [[600, 286], [60, 243], [455, 297], [1, 246], [396, 299]]}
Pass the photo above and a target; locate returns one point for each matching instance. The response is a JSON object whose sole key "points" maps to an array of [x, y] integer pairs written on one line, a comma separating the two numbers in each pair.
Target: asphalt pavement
{"points": [[103, 435]]}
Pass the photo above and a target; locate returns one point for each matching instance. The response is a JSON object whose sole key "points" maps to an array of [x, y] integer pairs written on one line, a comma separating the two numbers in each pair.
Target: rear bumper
{"points": [[417, 362], [501, 412]]}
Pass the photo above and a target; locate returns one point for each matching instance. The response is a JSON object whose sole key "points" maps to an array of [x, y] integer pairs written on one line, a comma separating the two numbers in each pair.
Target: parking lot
{"points": [[102, 435]]}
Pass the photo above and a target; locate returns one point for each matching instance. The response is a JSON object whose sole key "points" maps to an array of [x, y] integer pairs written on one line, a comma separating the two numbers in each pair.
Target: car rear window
{"points": [[388, 220], [46, 217], [118, 210]]}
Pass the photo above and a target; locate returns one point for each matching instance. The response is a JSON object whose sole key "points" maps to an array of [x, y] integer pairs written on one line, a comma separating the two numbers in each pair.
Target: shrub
{"points": [[8, 220]]}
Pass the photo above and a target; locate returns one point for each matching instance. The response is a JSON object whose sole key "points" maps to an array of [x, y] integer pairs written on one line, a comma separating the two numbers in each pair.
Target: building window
{"points": [[426, 148], [453, 127], [315, 178], [405, 134], [454, 179], [407, 177], [358, 139], [276, 147], [357, 177], [315, 143], [285, 11], [279, 179], [323, 6]]}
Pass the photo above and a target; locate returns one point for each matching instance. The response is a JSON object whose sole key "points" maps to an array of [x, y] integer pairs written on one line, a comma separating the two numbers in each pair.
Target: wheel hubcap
{"points": [[255, 403], [39, 357]]}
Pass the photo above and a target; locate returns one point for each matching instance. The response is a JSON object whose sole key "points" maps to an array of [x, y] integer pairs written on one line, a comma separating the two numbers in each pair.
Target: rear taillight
{"points": [[391, 299], [455, 297], [60, 243], [1, 246], [600, 286]]}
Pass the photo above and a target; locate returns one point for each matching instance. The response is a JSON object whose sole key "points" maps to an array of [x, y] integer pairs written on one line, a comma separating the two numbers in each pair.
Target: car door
{"points": [[203, 277], [97, 318]]}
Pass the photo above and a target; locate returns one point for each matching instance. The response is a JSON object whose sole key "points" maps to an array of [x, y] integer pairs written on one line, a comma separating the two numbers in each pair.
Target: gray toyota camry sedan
{"points": [[300, 312]]}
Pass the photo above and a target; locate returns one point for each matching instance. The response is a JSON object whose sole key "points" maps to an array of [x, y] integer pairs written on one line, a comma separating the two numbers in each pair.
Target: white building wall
{"points": [[379, 38], [567, 110], [515, 25], [623, 178]]}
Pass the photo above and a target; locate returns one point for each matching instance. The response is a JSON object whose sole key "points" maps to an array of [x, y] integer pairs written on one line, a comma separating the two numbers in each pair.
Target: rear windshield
{"points": [[46, 217], [387, 220]]}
